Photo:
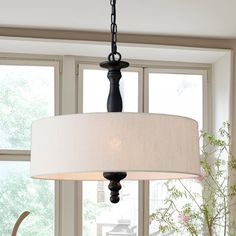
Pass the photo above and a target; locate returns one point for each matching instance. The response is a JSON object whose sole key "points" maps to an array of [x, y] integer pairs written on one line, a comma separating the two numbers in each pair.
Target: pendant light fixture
{"points": [[115, 145]]}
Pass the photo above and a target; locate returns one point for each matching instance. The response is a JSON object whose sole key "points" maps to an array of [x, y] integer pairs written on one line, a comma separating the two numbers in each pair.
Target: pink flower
{"points": [[200, 178], [184, 218]]}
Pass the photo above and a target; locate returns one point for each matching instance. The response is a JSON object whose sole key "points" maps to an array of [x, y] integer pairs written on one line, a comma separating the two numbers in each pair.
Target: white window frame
{"points": [[24, 155], [93, 66], [68, 100], [144, 68], [204, 72]]}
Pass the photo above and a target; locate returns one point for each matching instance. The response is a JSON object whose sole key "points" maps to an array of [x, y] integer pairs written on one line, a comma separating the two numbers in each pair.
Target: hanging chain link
{"points": [[114, 55]]}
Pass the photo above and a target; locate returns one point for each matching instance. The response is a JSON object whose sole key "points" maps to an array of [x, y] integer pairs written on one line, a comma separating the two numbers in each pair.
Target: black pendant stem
{"points": [[114, 101], [114, 104]]}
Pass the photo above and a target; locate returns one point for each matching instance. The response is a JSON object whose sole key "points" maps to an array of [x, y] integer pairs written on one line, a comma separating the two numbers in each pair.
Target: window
{"points": [[29, 91], [169, 91], [26, 94], [177, 94], [100, 217]]}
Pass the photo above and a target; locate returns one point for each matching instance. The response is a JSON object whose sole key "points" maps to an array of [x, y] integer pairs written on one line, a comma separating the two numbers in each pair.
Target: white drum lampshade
{"points": [[146, 146], [115, 145]]}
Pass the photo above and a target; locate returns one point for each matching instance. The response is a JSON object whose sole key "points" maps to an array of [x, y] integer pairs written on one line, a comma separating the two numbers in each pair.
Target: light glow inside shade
{"points": [[146, 146]]}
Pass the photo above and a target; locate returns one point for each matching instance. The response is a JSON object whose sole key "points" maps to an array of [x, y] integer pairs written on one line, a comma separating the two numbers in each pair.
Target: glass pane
{"points": [[96, 89], [20, 193], [170, 207], [176, 94], [26, 95], [102, 218]]}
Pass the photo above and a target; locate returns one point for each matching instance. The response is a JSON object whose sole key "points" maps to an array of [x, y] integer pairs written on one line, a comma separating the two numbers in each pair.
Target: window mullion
{"points": [[14, 155], [145, 210], [143, 222], [68, 189]]}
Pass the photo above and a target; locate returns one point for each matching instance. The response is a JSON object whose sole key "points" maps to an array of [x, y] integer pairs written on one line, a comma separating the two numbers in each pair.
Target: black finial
{"points": [[114, 185]]}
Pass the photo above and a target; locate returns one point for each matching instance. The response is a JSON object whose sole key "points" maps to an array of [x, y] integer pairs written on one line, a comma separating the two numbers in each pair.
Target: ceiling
{"points": [[207, 18]]}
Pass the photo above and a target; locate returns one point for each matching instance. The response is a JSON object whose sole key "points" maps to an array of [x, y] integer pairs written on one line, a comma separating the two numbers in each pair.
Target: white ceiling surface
{"points": [[210, 18], [137, 52]]}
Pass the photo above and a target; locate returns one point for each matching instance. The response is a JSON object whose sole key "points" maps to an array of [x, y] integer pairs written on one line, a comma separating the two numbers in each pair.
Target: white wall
{"points": [[221, 91], [223, 104]]}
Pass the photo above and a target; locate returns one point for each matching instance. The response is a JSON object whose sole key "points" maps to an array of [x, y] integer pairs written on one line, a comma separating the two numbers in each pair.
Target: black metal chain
{"points": [[114, 55]]}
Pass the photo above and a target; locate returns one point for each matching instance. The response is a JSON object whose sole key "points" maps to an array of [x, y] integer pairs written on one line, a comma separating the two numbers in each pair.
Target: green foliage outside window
{"points": [[206, 213], [19, 193], [26, 95]]}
